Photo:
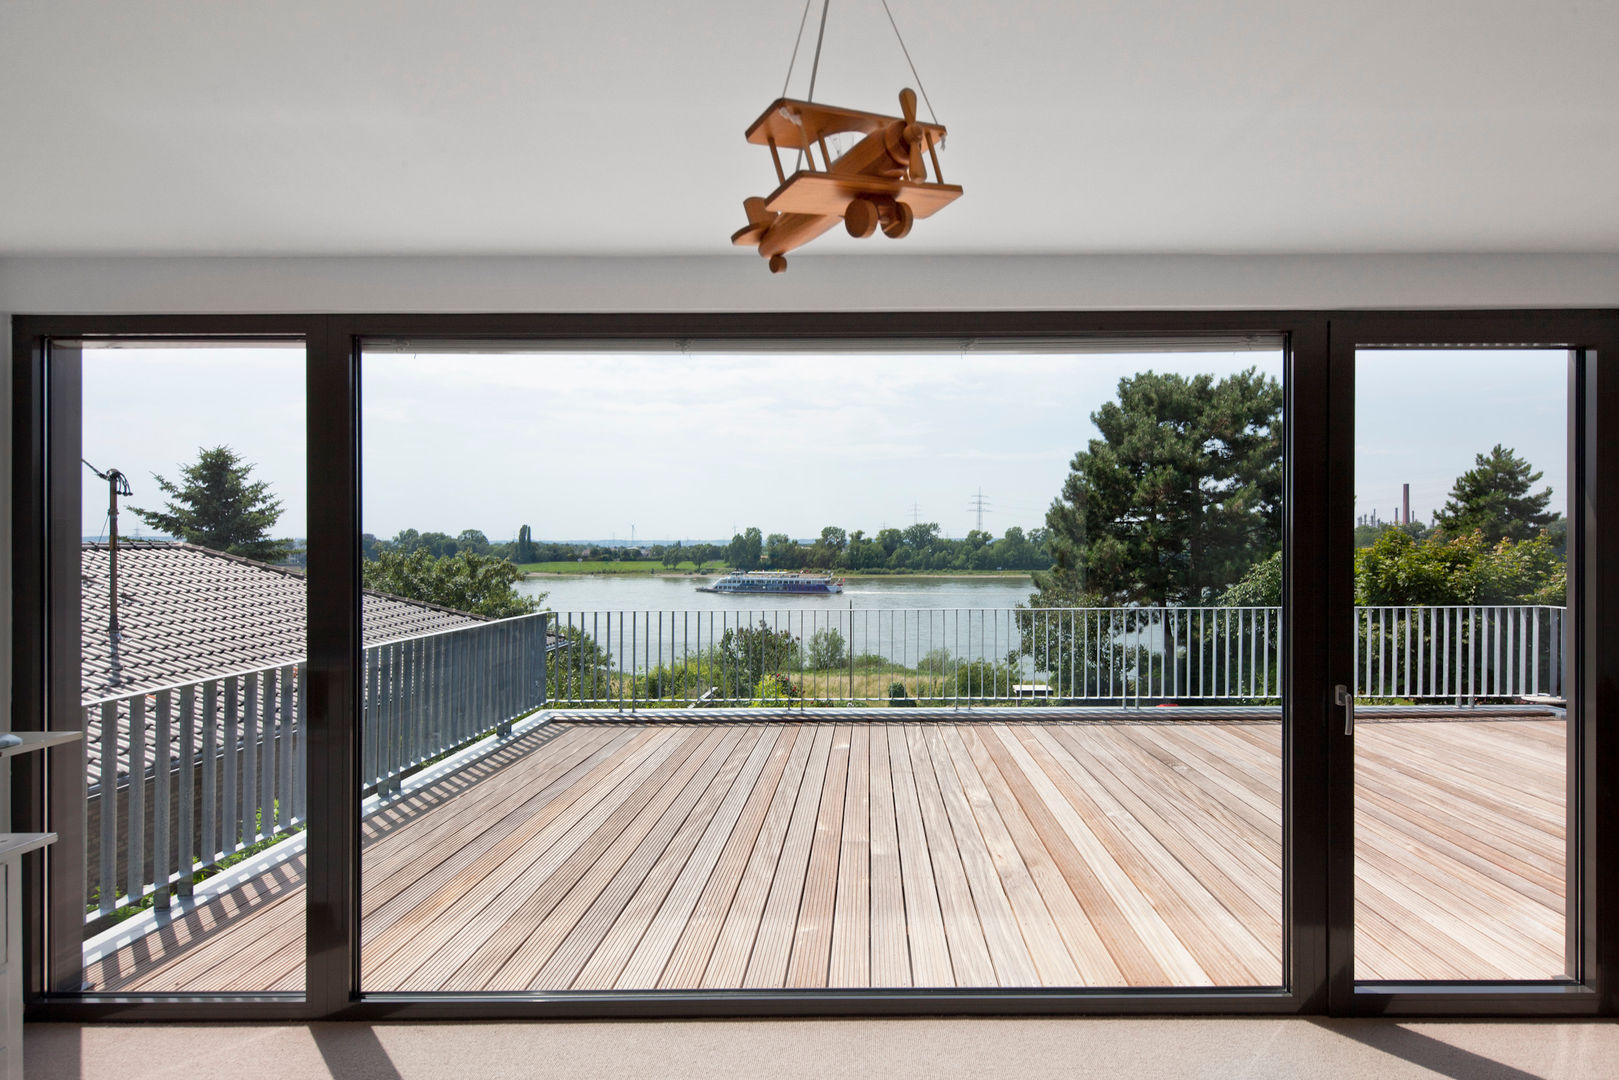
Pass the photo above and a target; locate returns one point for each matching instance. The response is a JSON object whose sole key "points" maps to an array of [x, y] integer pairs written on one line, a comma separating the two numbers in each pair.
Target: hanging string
{"points": [[908, 60], [816, 67], [802, 19]]}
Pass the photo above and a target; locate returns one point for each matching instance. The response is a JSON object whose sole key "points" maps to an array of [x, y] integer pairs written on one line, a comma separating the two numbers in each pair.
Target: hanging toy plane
{"points": [[881, 181]]}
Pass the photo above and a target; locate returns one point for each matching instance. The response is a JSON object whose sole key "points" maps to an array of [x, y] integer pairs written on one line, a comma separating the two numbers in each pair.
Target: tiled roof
{"points": [[190, 613]]}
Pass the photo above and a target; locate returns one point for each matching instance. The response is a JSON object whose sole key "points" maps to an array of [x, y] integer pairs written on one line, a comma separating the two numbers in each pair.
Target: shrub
{"points": [[982, 678], [745, 654], [777, 689], [827, 649]]}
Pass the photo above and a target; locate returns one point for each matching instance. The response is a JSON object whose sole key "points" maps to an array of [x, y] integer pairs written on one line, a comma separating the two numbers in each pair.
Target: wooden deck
{"points": [[595, 855]]}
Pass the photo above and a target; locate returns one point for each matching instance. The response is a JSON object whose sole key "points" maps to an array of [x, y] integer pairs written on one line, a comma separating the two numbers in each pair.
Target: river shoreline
{"points": [[851, 575]]}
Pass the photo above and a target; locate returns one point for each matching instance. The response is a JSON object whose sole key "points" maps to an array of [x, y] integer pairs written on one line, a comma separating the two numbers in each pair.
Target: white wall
{"points": [[740, 283]]}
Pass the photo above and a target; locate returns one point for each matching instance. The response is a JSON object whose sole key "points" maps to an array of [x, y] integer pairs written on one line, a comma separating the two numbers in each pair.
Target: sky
{"points": [[684, 446]]}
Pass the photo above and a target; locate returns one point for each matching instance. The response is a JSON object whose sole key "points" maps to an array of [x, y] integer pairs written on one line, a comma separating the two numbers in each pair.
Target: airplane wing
{"points": [[796, 125]]}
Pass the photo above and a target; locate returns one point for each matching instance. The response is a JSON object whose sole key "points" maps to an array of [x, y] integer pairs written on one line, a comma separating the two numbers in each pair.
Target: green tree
{"points": [[524, 551], [701, 554], [1494, 497], [746, 549], [1177, 499], [472, 540], [465, 581], [672, 554], [1459, 570], [783, 552], [215, 505], [922, 535], [1260, 587]]}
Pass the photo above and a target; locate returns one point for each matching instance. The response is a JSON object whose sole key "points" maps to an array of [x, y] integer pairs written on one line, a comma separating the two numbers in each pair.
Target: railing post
{"points": [[135, 868], [210, 774], [249, 758], [188, 786], [107, 877], [161, 848]]}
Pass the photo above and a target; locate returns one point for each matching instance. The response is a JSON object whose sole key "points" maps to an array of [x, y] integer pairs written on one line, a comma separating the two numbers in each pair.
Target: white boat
{"points": [[775, 583]]}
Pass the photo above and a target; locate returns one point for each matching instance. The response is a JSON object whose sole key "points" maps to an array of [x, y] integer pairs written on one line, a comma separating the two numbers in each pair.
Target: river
{"points": [[646, 619], [647, 592]]}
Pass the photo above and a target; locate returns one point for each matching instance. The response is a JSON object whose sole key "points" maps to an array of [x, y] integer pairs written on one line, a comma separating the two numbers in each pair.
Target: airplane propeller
{"points": [[913, 133], [906, 139]]}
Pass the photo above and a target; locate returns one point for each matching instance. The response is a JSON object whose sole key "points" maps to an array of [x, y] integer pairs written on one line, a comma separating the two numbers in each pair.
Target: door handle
{"points": [[1343, 697]]}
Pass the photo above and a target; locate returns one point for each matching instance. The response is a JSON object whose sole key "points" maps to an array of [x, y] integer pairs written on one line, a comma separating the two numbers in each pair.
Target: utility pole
{"points": [[916, 513], [117, 484]]}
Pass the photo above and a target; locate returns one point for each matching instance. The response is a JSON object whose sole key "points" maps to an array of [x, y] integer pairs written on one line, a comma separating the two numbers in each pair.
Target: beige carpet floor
{"points": [[902, 1049]]}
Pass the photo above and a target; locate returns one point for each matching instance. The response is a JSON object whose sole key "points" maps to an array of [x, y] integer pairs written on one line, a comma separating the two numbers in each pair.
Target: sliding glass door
{"points": [[1462, 576]]}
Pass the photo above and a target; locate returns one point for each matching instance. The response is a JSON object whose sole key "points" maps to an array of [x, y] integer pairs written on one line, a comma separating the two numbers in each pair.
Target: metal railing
{"points": [[1460, 654], [192, 774], [812, 654], [428, 694]]}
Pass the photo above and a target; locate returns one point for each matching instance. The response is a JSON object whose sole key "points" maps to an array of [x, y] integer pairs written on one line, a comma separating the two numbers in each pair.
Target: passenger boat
{"points": [[775, 583]]}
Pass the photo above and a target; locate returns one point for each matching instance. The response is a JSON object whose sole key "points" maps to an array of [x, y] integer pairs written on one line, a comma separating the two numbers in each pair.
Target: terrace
{"points": [[628, 812]]}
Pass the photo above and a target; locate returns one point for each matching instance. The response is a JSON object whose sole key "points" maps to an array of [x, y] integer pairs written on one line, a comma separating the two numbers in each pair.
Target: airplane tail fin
{"points": [[759, 219]]}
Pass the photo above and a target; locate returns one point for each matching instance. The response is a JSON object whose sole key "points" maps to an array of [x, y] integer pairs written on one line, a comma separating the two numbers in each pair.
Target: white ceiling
{"points": [[471, 127]]}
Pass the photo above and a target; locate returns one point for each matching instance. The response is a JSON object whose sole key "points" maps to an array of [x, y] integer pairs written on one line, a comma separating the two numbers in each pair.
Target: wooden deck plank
{"points": [[582, 886], [645, 876], [453, 859], [850, 964], [1111, 922], [652, 955], [423, 943], [969, 951], [773, 946], [1226, 951], [692, 952], [729, 961], [406, 856], [997, 922], [674, 865], [890, 945], [498, 914], [1021, 849], [1195, 850], [924, 919], [1030, 918], [811, 961], [1093, 964], [1142, 918]]}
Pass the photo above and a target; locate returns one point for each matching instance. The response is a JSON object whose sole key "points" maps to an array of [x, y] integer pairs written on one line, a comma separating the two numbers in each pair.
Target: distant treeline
{"points": [[915, 549]]}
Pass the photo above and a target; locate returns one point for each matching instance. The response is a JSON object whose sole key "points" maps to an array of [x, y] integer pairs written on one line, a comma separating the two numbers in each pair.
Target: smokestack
{"points": [[1405, 504]]}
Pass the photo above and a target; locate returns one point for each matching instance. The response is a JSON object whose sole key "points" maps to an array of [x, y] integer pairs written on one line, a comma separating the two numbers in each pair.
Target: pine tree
{"points": [[1179, 497], [215, 505], [1494, 498]]}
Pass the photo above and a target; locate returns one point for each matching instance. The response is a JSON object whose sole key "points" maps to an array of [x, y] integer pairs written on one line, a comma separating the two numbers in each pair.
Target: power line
{"points": [[980, 504]]}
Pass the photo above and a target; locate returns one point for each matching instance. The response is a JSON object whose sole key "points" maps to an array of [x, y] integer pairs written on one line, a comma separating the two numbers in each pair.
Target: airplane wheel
{"points": [[861, 218], [778, 263], [899, 225]]}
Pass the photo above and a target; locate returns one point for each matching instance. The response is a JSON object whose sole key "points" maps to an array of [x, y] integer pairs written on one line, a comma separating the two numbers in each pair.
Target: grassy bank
{"points": [[605, 566]]}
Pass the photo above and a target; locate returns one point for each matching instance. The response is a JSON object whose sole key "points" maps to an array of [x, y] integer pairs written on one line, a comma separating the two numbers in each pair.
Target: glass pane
{"points": [[844, 670], [193, 616], [1461, 732]]}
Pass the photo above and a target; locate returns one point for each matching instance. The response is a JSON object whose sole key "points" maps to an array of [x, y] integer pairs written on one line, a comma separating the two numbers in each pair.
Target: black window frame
{"points": [[1318, 910]]}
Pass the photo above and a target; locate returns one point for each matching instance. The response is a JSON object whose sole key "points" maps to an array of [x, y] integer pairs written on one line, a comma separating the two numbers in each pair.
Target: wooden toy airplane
{"points": [[880, 181]]}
